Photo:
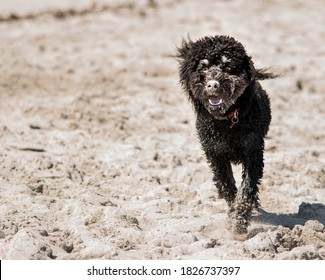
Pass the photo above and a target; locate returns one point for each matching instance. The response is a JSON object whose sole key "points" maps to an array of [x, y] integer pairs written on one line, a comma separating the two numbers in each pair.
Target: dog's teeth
{"points": [[214, 100]]}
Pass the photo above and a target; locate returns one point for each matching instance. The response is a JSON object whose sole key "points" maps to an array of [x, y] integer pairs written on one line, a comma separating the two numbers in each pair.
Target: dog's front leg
{"points": [[247, 195], [224, 180]]}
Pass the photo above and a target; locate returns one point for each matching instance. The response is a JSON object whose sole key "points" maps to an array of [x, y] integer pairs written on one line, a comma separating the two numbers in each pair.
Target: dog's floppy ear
{"points": [[263, 74], [258, 74], [183, 49], [185, 64], [251, 71]]}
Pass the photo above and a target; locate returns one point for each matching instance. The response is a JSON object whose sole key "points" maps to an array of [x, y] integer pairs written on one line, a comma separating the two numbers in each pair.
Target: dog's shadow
{"points": [[307, 211]]}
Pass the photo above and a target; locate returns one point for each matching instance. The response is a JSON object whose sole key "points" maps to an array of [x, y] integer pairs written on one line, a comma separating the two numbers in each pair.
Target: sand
{"points": [[99, 155]]}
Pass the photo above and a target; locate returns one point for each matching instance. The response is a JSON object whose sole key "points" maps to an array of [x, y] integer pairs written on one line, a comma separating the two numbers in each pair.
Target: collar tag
{"points": [[233, 117]]}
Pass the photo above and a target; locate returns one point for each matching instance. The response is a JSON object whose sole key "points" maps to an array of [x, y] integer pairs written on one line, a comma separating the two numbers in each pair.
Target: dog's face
{"points": [[215, 71]]}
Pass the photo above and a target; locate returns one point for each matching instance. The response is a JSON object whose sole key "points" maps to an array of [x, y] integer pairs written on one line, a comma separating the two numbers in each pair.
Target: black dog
{"points": [[233, 116]]}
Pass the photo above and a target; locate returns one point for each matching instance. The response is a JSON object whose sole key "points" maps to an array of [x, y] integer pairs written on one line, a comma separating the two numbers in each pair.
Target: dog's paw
{"points": [[237, 224]]}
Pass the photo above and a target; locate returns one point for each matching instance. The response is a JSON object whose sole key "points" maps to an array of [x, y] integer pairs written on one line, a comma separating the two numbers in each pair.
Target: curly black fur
{"points": [[233, 116]]}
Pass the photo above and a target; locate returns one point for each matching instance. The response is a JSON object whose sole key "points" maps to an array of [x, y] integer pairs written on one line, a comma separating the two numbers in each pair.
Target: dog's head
{"points": [[215, 71]]}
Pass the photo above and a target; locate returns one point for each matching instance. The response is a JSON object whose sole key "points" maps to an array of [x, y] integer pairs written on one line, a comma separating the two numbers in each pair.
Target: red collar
{"points": [[232, 116]]}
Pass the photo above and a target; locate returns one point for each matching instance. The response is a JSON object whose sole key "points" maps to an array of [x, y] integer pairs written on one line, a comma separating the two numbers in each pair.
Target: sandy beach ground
{"points": [[99, 157]]}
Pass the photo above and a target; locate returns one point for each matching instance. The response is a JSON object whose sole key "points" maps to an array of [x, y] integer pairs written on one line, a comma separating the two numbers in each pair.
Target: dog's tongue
{"points": [[215, 100]]}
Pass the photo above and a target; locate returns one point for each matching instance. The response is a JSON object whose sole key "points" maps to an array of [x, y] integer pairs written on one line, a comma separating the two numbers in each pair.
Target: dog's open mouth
{"points": [[215, 100]]}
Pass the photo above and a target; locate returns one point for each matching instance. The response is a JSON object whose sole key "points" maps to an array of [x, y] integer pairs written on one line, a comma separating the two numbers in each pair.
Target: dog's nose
{"points": [[212, 85]]}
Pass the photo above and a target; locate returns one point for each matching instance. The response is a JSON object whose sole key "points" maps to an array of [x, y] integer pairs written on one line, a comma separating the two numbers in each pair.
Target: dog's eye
{"points": [[204, 68], [203, 65], [228, 69]]}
